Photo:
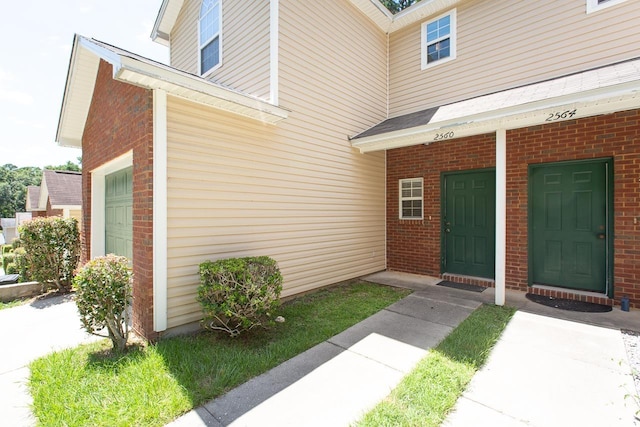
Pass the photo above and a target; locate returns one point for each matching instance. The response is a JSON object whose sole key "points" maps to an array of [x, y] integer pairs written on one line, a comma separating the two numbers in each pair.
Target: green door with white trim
{"points": [[119, 213], [469, 223], [570, 229]]}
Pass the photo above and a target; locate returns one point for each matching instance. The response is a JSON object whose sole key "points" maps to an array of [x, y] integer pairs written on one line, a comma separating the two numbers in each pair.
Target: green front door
{"points": [[469, 206], [569, 224], [119, 213]]}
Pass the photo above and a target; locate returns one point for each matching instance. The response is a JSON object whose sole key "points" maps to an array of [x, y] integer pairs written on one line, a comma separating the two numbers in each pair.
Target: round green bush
{"points": [[239, 294], [103, 296]]}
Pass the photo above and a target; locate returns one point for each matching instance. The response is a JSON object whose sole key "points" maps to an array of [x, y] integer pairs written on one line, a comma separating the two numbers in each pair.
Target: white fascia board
{"points": [[606, 100], [420, 11], [376, 12], [78, 91], [183, 85], [388, 22], [166, 19]]}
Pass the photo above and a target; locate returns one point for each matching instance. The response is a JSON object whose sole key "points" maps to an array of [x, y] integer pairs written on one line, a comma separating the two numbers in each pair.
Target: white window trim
{"points": [[594, 6], [401, 199], [201, 45], [452, 38], [98, 191]]}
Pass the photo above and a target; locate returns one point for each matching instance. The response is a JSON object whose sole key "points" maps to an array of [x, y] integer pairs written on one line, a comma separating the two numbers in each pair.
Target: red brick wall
{"points": [[615, 136], [120, 120], [414, 246], [52, 212]]}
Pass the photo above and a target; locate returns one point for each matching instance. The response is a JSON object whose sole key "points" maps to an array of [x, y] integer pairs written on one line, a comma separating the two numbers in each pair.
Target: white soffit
{"points": [[142, 72], [167, 16], [389, 22]]}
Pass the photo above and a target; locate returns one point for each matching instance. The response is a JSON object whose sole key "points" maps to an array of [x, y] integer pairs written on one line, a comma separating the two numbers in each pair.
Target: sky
{"points": [[35, 46]]}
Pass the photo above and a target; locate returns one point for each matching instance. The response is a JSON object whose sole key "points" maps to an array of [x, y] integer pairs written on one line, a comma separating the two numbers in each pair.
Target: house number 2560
{"points": [[441, 136]]}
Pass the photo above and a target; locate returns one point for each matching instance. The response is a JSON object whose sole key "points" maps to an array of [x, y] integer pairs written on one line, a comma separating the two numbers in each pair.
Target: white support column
{"points": [[159, 210], [501, 214], [274, 35]]}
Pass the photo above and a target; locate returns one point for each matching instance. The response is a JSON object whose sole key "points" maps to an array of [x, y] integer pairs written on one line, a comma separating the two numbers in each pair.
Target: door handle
{"points": [[601, 236], [447, 230]]}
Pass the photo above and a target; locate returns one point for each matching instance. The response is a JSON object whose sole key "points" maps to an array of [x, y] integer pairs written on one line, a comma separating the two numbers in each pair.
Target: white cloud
{"points": [[12, 95]]}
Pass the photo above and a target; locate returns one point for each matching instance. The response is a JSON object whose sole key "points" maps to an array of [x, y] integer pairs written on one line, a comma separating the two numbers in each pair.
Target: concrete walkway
{"points": [[550, 368], [26, 333]]}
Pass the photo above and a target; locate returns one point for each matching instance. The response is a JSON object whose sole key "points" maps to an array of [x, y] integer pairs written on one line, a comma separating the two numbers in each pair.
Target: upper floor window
{"points": [[439, 40], [595, 5], [209, 28], [411, 198]]}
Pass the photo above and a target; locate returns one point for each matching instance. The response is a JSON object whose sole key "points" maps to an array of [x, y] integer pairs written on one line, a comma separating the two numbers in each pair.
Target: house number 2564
{"points": [[559, 115]]}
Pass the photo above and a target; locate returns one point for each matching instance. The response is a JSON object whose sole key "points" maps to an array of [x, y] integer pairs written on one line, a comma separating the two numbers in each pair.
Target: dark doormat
{"points": [[568, 304], [463, 286]]}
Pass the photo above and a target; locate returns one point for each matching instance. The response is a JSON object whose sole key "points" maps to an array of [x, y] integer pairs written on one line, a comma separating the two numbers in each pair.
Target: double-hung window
{"points": [[411, 196], [439, 40], [596, 5], [209, 34]]}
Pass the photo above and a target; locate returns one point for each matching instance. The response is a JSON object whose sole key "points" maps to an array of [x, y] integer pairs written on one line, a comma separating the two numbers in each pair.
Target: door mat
{"points": [[569, 305], [463, 286]]}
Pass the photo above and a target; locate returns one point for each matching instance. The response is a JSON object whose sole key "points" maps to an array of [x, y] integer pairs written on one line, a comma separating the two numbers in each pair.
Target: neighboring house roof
{"points": [[601, 90], [33, 198], [63, 189], [143, 72]]}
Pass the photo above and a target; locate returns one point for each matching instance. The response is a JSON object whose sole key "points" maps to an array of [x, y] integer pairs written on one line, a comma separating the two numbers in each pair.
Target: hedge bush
{"points": [[238, 294], [52, 250], [12, 268], [20, 260], [7, 259], [103, 296]]}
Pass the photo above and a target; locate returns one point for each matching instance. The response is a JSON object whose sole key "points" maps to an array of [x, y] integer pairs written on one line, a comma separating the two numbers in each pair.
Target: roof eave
{"points": [[83, 66], [166, 19], [589, 103]]}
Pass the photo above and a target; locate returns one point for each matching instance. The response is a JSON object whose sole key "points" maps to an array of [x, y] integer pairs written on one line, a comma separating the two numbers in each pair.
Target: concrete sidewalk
{"points": [[27, 332], [550, 368]]}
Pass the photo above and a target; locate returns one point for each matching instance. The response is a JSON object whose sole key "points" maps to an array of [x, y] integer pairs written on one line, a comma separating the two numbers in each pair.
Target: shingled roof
{"points": [[64, 188]]}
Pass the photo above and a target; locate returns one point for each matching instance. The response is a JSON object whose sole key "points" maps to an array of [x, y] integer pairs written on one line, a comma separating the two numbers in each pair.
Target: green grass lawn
{"points": [[429, 392], [151, 385], [14, 303]]}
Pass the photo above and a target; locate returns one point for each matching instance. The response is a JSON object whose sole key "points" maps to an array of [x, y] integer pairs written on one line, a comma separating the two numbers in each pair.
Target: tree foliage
{"points": [[14, 182], [396, 6]]}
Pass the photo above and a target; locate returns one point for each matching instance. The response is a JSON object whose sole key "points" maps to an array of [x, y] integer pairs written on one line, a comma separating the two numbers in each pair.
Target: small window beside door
{"points": [[411, 196]]}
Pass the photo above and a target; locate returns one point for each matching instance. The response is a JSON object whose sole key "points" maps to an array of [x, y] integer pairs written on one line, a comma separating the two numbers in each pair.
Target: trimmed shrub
{"points": [[7, 259], [52, 250], [238, 294], [12, 268], [16, 243], [20, 260], [103, 296]]}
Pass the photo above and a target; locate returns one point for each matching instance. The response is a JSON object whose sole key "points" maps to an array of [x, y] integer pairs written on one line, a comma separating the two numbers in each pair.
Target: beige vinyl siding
{"points": [[75, 213], [245, 44], [296, 191], [503, 44]]}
